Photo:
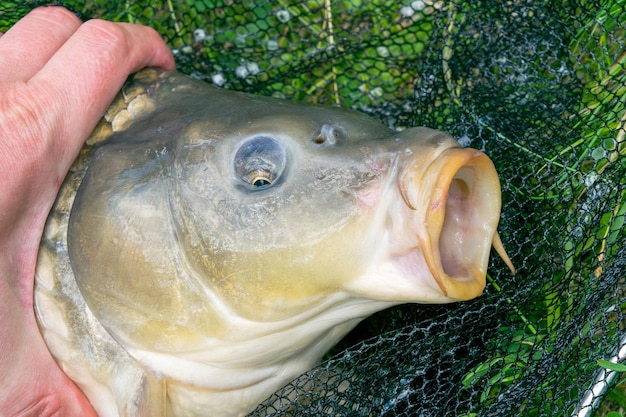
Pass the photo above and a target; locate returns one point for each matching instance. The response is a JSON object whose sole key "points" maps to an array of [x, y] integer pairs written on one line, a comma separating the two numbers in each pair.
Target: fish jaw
{"points": [[440, 219], [234, 377]]}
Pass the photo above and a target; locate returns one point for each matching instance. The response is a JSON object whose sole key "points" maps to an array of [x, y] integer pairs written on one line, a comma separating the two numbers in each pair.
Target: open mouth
{"points": [[456, 201]]}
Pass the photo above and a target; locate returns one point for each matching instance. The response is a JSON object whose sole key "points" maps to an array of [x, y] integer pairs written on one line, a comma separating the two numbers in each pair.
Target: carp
{"points": [[208, 246]]}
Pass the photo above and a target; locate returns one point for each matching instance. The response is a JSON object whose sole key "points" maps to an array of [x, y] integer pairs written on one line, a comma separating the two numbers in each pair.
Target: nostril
{"points": [[329, 135]]}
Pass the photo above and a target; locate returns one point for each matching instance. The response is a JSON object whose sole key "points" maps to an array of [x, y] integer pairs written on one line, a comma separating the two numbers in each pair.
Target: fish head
{"points": [[225, 231], [299, 203]]}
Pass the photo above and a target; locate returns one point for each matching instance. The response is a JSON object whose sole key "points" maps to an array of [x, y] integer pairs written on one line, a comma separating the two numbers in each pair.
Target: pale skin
{"points": [[57, 77]]}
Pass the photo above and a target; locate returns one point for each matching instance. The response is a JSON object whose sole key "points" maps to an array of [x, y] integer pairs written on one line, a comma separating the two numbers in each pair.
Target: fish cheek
{"points": [[273, 253], [276, 283]]}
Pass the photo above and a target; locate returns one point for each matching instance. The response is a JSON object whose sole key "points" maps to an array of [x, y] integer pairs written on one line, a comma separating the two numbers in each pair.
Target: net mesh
{"points": [[541, 88]]}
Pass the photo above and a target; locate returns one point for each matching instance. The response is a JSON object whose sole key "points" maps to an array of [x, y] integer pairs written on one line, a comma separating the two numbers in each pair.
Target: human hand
{"points": [[57, 77]]}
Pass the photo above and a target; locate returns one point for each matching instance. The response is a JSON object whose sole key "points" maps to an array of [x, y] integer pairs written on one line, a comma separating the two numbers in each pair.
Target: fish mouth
{"points": [[455, 206]]}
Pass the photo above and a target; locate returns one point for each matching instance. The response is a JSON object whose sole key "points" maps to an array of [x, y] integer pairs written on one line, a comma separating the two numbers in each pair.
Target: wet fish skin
{"points": [[208, 246]]}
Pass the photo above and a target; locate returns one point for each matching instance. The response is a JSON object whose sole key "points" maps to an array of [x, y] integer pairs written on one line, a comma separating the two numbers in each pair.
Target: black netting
{"points": [[541, 88]]}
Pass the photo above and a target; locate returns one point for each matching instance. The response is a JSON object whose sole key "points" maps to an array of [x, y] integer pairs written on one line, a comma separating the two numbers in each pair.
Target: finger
{"points": [[33, 40], [87, 72], [33, 384]]}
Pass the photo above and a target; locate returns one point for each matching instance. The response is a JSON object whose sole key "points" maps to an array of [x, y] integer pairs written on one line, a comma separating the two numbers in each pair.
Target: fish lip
{"points": [[455, 205]]}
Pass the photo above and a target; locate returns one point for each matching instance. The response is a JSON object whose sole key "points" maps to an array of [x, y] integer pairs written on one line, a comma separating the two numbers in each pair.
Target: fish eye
{"points": [[259, 178], [259, 162]]}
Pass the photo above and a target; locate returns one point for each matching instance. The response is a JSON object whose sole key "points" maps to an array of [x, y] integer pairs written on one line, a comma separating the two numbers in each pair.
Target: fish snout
{"points": [[454, 199]]}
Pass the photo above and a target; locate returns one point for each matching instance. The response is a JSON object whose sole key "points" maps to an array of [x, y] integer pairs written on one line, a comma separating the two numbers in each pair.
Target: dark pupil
{"points": [[261, 183]]}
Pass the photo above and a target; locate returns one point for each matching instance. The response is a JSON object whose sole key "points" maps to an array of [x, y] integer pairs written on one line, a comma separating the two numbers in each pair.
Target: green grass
{"points": [[600, 147]]}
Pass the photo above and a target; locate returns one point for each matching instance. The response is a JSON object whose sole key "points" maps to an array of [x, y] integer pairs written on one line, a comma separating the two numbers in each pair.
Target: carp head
{"points": [[226, 241]]}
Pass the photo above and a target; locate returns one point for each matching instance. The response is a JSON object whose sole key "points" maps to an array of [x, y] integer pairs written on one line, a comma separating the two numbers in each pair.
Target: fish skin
{"points": [[208, 246]]}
